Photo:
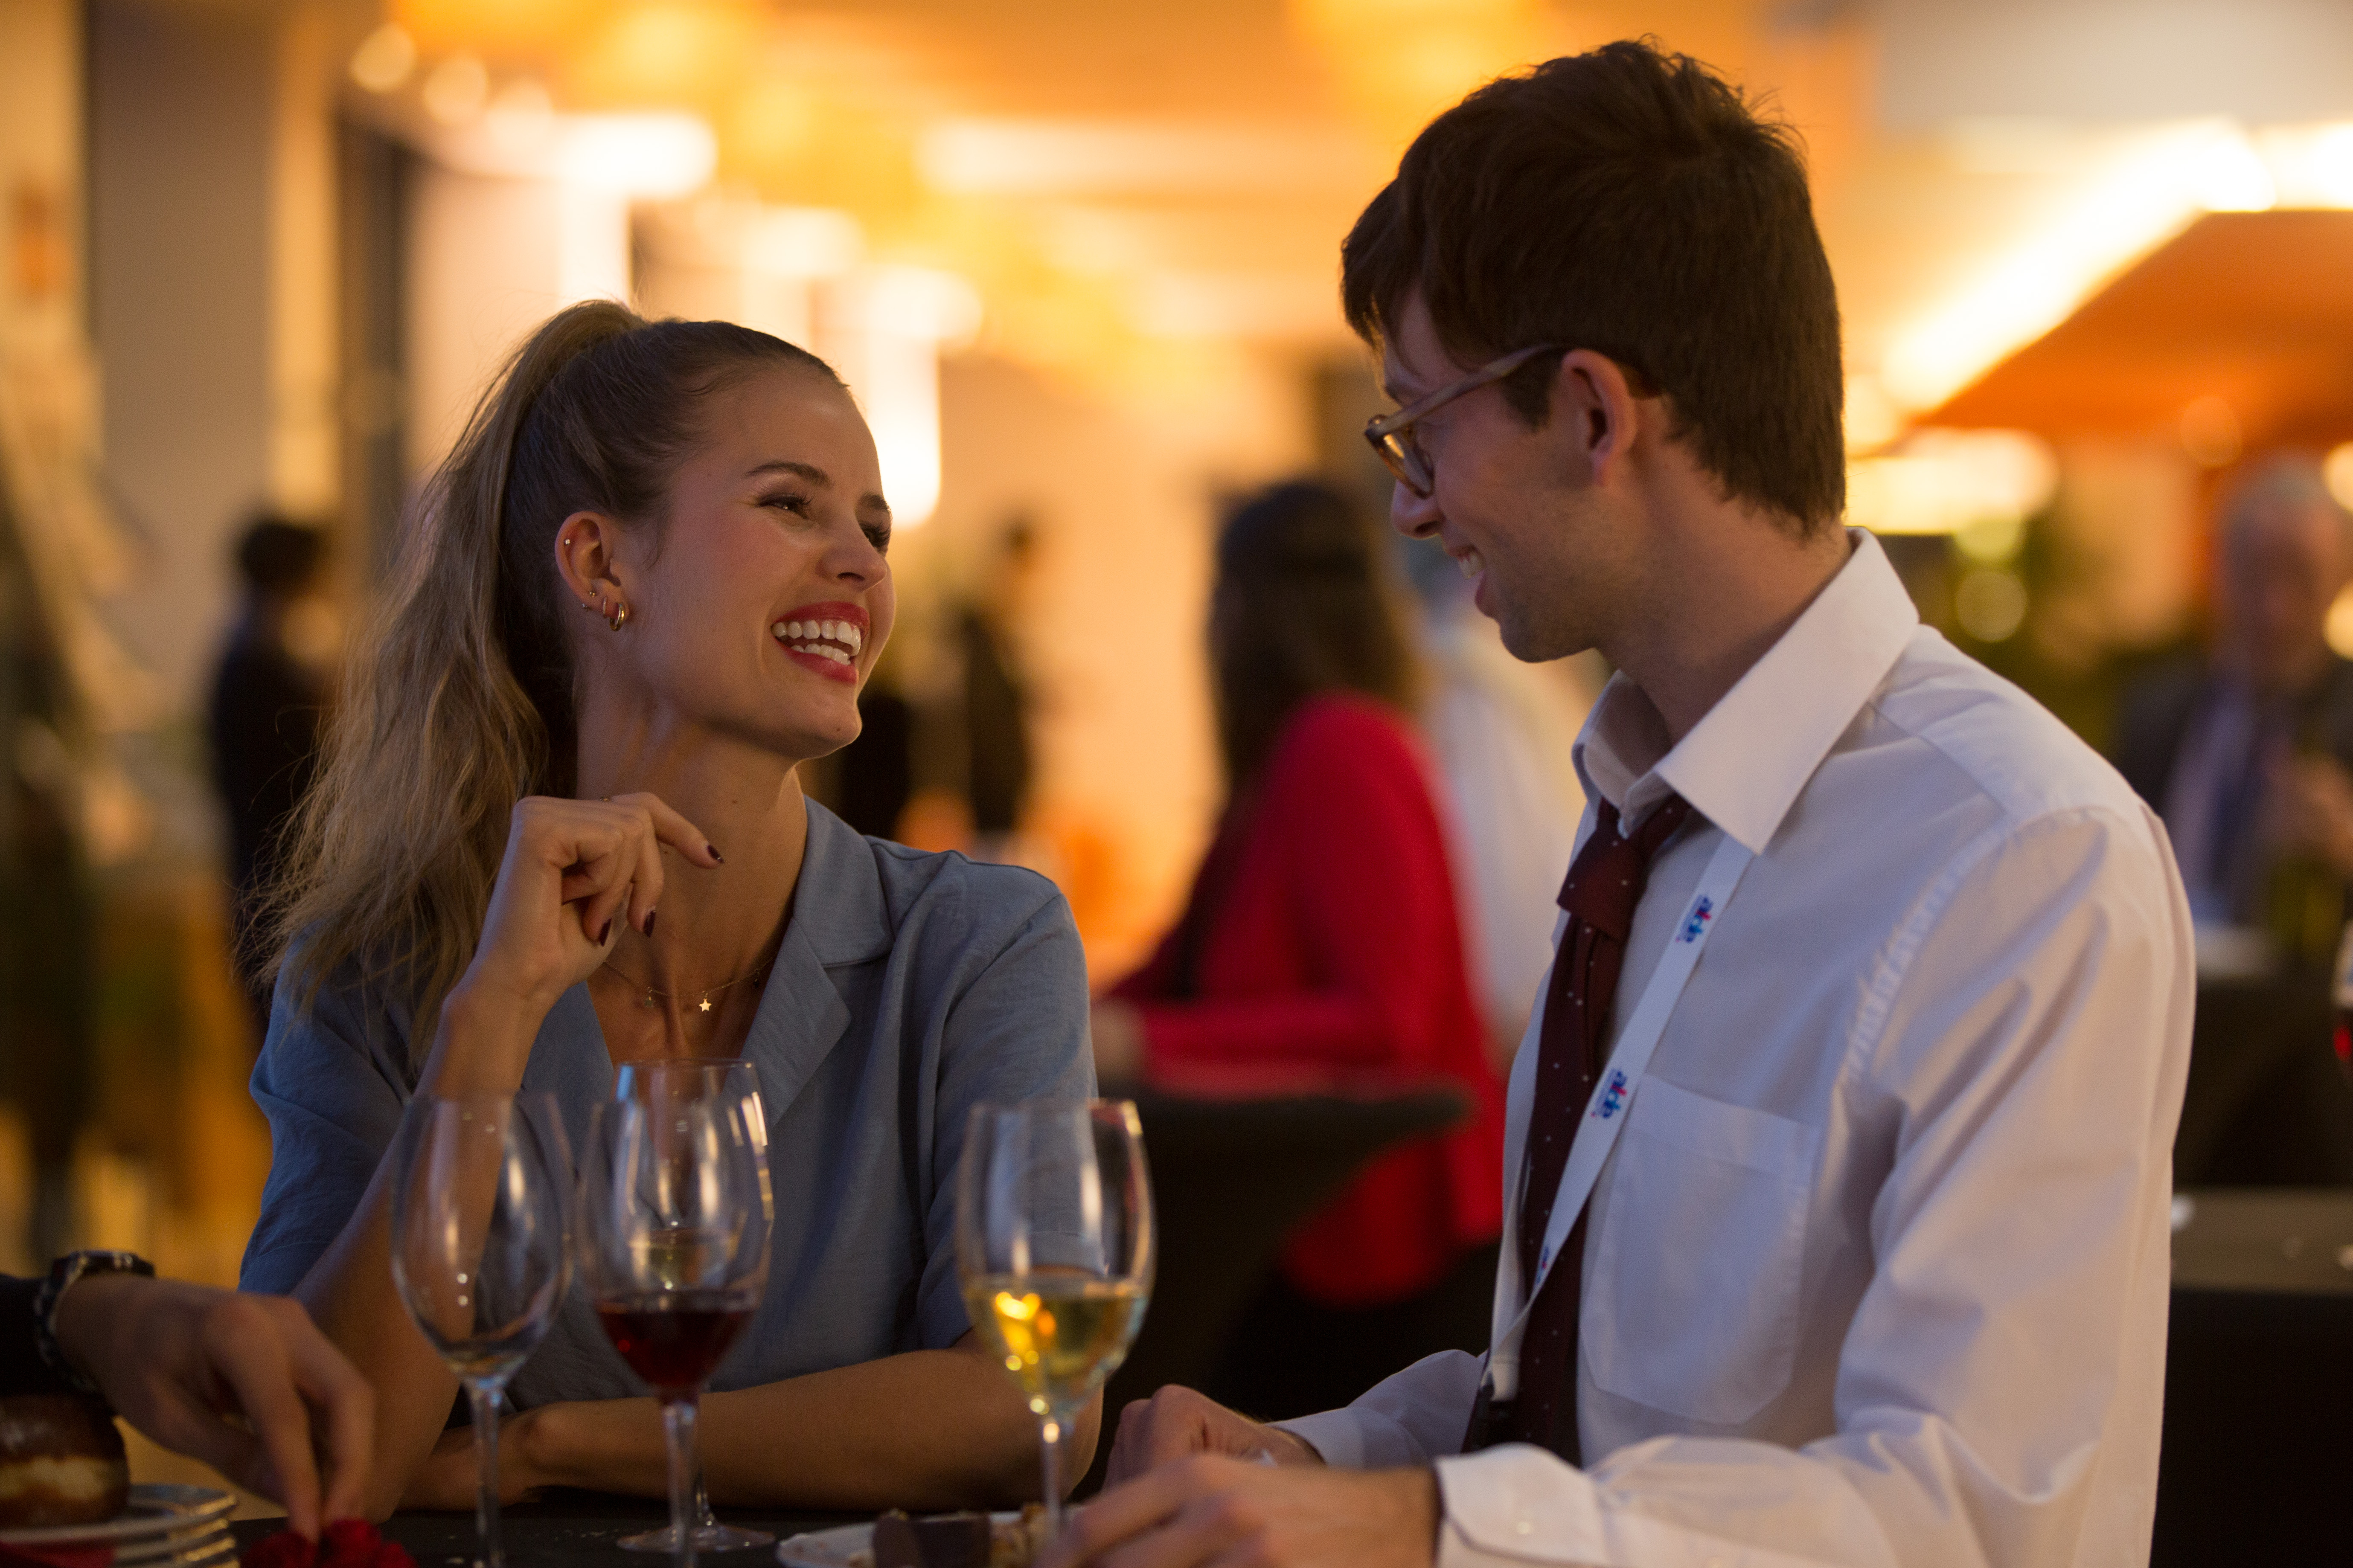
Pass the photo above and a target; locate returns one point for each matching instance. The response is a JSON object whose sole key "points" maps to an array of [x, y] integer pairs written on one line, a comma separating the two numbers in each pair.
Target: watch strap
{"points": [[63, 1273]]}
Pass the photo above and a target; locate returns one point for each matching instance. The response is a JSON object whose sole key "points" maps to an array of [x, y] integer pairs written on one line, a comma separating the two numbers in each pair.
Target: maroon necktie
{"points": [[1603, 887]]}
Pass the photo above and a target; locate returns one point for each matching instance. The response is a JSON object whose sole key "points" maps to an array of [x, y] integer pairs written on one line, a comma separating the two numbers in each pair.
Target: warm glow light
{"points": [[2210, 433], [2337, 469], [2230, 176], [1068, 157], [1980, 483], [456, 91], [646, 155], [383, 58], [803, 242], [522, 116], [2340, 625], [2146, 196], [886, 328], [1871, 420]]}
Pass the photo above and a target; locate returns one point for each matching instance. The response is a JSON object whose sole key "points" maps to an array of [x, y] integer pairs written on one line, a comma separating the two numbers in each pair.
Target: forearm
{"points": [[930, 1429], [350, 1295]]}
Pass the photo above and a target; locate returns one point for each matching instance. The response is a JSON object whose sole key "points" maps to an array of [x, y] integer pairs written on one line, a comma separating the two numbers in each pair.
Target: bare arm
{"points": [[573, 870], [930, 1429]]}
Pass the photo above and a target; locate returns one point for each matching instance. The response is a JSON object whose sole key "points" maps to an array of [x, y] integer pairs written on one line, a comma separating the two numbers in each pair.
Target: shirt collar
{"points": [[1743, 763]]}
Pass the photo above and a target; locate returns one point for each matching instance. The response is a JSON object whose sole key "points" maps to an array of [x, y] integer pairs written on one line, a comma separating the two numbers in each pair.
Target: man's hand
{"points": [[1177, 1423], [182, 1362], [1237, 1513]]}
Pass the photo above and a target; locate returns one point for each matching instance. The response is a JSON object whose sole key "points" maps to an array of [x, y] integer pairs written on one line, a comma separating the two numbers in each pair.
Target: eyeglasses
{"points": [[1391, 434]]}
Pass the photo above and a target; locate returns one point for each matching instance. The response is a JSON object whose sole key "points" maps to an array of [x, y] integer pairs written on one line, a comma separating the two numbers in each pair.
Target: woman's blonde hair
{"points": [[459, 700]]}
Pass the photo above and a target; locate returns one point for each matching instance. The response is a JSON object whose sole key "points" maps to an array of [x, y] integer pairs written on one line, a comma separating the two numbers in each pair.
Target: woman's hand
{"points": [[573, 870]]}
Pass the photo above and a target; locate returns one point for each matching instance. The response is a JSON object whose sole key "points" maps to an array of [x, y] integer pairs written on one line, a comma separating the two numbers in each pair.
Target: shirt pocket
{"points": [[1694, 1305]]}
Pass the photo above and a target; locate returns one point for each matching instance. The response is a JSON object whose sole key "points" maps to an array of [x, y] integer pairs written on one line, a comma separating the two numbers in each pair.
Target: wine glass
{"points": [[738, 1080], [479, 1183], [674, 1244], [1054, 1247]]}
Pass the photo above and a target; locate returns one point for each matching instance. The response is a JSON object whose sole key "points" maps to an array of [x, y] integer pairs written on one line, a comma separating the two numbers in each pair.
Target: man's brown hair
{"points": [[1627, 202]]}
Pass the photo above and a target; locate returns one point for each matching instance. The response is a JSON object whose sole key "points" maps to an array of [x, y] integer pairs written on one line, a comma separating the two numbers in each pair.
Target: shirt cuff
{"points": [[1512, 1505], [1355, 1438]]}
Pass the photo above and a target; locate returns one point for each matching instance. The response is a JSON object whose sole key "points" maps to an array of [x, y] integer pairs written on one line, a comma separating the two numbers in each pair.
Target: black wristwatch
{"points": [[62, 1274]]}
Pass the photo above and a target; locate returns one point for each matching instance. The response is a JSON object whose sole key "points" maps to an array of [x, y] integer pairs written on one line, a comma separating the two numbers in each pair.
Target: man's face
{"points": [[1515, 508], [2282, 565]]}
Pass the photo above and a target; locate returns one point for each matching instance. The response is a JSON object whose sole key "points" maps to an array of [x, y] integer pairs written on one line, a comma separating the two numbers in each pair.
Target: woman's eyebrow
{"points": [[808, 471]]}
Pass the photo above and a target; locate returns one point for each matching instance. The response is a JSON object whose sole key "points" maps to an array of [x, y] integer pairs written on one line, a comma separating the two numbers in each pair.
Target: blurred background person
{"points": [[1322, 934], [269, 696], [2247, 751], [1501, 734], [996, 698]]}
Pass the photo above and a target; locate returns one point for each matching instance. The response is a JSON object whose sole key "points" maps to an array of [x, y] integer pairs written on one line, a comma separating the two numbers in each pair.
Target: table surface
{"points": [[567, 1529], [2296, 1241]]}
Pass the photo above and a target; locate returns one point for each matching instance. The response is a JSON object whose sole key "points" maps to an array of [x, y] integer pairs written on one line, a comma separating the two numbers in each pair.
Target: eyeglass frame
{"points": [[1390, 436]]}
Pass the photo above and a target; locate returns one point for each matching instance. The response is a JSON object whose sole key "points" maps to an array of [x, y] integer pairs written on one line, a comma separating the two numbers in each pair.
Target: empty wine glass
{"points": [[736, 1078], [674, 1243], [480, 1187], [1054, 1249]]}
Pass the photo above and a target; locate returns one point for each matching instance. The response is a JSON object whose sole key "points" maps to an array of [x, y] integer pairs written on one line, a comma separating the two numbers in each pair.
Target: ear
{"points": [[586, 553], [1596, 412]]}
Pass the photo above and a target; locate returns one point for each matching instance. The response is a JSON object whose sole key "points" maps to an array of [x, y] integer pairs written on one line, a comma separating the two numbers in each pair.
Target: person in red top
{"points": [[1322, 936]]}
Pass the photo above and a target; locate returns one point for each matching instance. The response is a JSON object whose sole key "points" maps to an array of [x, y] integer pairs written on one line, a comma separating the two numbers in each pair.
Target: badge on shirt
{"points": [[1695, 923], [1613, 1097]]}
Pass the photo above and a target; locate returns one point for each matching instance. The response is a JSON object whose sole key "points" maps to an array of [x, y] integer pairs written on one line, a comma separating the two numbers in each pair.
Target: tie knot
{"points": [[1607, 878]]}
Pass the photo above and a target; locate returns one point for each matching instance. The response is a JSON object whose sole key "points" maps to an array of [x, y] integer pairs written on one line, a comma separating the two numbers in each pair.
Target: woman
{"points": [[1322, 935], [509, 876]]}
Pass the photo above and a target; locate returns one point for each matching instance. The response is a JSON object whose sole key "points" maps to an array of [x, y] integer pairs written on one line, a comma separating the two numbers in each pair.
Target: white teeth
{"points": [[818, 637], [781, 629], [1472, 563], [853, 637], [792, 628]]}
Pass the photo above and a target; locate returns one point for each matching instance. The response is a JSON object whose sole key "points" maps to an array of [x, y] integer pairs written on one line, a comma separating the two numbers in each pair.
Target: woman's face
{"points": [[759, 608]]}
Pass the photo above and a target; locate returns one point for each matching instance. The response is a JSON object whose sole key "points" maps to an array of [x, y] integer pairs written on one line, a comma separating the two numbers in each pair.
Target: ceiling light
{"points": [[2337, 469], [456, 91], [383, 58], [648, 155]]}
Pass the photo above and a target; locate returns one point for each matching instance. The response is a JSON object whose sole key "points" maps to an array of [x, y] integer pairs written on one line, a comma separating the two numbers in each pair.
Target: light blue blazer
{"points": [[908, 988]]}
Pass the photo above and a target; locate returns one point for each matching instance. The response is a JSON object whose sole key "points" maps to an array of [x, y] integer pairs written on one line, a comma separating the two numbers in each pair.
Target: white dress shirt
{"points": [[1877, 1270]]}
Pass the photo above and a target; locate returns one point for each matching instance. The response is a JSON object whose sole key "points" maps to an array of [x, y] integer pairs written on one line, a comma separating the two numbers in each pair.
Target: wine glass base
{"points": [[707, 1538]]}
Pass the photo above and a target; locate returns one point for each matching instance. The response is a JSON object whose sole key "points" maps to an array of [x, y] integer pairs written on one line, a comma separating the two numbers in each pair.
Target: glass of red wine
{"points": [[673, 1243], [737, 1080], [478, 1248]]}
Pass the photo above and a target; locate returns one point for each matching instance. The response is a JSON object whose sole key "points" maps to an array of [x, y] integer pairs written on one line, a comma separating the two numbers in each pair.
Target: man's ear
{"points": [[1596, 412], [584, 556]]}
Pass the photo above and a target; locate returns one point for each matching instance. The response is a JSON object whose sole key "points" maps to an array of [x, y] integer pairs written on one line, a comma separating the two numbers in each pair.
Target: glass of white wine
{"points": [[1054, 1246], [480, 1184]]}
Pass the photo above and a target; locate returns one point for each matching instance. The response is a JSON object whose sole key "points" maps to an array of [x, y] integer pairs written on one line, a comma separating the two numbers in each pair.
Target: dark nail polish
{"points": [[649, 923], [715, 855], [607, 934]]}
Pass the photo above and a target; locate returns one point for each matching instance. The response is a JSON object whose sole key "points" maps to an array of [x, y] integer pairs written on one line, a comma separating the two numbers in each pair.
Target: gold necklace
{"points": [[654, 998]]}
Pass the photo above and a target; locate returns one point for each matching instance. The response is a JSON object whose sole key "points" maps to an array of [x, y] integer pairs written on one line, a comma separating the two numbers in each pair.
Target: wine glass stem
{"points": [[679, 1431], [1050, 1451], [484, 1399]]}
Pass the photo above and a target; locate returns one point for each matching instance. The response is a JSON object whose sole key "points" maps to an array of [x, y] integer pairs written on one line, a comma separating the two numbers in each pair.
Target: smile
{"points": [[825, 640], [837, 640]]}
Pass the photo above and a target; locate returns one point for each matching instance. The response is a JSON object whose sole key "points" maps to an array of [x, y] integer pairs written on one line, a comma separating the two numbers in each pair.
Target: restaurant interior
{"points": [[1078, 264]]}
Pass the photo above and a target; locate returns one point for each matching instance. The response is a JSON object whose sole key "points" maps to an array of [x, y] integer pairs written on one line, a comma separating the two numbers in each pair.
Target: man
{"points": [[247, 1384], [1866, 1034], [2247, 753]]}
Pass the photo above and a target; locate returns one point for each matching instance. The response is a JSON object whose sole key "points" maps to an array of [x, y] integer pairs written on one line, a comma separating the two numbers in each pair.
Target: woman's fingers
{"points": [[674, 830]]}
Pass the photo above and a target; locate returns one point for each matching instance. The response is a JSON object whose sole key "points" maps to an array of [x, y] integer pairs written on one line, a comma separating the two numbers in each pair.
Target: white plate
{"points": [[163, 1551], [155, 1511], [834, 1547]]}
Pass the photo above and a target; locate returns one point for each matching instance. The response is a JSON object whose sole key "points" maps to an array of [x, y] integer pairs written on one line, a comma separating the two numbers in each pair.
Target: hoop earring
{"points": [[620, 615]]}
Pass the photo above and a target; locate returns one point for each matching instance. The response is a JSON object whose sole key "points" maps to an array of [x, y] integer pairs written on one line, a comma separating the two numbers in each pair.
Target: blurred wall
{"points": [[181, 105]]}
